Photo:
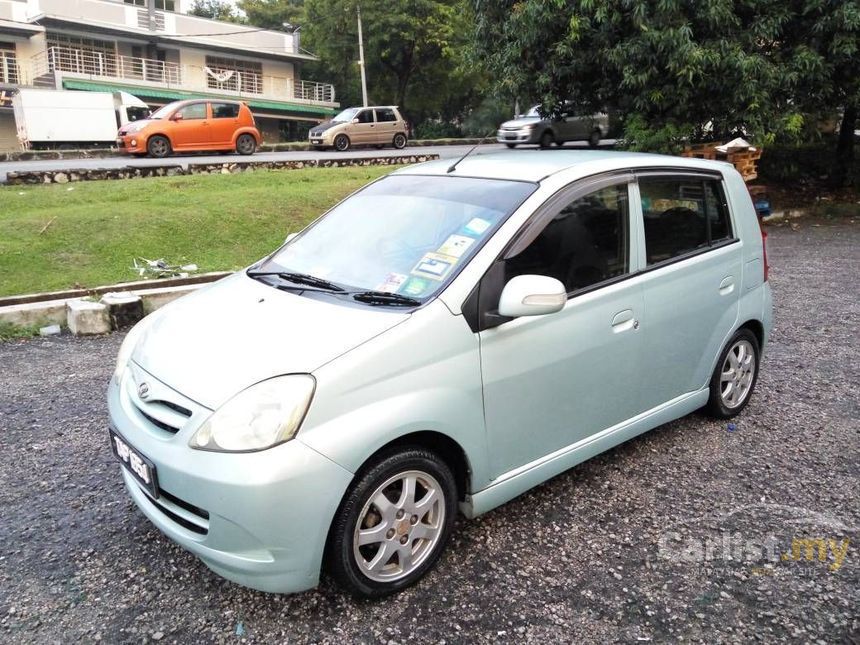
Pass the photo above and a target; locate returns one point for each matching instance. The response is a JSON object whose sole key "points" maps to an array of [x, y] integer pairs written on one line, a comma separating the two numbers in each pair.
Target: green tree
{"points": [[215, 9], [274, 14], [677, 69], [414, 52]]}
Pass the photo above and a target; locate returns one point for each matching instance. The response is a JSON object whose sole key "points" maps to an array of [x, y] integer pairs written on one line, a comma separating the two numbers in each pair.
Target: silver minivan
{"points": [[443, 340]]}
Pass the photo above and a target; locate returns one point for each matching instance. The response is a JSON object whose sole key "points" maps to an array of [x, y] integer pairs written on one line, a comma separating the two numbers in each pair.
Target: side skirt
{"points": [[518, 481]]}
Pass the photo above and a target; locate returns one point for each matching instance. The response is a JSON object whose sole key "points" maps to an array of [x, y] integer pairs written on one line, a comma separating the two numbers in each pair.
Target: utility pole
{"points": [[361, 60]]}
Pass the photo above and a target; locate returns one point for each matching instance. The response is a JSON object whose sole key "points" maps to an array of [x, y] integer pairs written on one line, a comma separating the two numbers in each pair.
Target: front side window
{"points": [[225, 110], [403, 234], [587, 242], [681, 215], [365, 116], [193, 111]]}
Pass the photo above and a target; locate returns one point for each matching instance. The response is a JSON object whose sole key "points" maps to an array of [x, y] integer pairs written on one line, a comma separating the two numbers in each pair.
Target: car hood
{"points": [[322, 127], [217, 341], [140, 124], [520, 122]]}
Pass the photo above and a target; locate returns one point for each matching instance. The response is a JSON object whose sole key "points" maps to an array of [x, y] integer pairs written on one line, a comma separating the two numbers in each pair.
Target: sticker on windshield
{"points": [[456, 245], [434, 265], [393, 281], [415, 287], [476, 226]]}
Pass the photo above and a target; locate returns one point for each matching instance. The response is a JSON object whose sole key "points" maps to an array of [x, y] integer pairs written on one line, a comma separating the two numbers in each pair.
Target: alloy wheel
{"points": [[737, 374], [399, 526]]}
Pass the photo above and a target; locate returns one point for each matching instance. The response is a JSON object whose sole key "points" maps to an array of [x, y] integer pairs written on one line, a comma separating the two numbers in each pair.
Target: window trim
{"points": [[205, 105], [479, 320]]}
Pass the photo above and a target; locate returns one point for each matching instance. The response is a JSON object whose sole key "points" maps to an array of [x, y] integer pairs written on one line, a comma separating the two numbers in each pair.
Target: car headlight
{"points": [[263, 416], [128, 345]]}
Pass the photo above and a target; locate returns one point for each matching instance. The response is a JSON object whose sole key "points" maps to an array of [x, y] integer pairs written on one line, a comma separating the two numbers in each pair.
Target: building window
{"points": [[8, 64], [81, 55], [234, 75], [163, 5]]}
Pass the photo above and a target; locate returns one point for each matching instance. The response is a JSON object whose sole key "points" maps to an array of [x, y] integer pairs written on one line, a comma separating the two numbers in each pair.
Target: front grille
{"points": [[159, 424]]}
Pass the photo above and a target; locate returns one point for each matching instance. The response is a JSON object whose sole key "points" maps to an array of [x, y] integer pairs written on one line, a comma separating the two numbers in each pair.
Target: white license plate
{"points": [[141, 468]]}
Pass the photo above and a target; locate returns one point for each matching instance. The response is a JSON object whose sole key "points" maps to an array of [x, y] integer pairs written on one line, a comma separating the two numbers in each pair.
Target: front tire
{"points": [[546, 139], [341, 143], [511, 145], [158, 147], [393, 523], [735, 376], [246, 144], [399, 141]]}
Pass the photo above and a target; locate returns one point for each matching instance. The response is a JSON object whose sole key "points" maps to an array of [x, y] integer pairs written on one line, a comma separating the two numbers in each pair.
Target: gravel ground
{"points": [[676, 535]]}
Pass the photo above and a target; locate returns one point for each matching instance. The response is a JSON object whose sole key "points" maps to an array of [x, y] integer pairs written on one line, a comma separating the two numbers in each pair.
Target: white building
{"points": [[148, 49]]}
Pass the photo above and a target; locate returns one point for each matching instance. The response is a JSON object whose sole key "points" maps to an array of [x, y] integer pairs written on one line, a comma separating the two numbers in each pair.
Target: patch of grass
{"points": [[10, 331], [219, 222]]}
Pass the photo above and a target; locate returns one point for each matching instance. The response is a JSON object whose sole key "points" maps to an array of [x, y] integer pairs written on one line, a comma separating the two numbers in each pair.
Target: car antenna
{"points": [[453, 166]]}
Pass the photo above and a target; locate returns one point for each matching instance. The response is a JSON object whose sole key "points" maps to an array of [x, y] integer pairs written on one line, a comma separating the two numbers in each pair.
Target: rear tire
{"points": [[594, 138], [246, 144], [341, 143], [393, 522], [158, 146], [399, 141], [735, 376]]}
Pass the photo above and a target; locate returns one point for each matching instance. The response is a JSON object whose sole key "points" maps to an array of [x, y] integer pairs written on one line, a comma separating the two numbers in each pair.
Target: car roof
{"points": [[537, 165]]}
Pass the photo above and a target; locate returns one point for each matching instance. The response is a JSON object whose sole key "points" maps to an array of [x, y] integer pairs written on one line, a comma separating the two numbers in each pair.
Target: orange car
{"points": [[193, 125]]}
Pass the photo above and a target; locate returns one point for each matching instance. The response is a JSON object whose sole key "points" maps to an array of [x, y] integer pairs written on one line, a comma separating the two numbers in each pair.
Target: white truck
{"points": [[68, 119]]}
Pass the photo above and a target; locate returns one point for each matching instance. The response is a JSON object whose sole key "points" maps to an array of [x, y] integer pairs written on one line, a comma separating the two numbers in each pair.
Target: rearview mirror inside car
{"points": [[532, 295]]}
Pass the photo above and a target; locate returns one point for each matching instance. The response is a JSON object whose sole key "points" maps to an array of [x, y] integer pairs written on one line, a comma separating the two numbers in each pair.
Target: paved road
{"points": [[630, 546], [183, 160]]}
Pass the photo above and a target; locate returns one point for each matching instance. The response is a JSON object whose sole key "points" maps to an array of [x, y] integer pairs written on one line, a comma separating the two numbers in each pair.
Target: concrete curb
{"points": [[53, 308], [108, 153], [33, 177]]}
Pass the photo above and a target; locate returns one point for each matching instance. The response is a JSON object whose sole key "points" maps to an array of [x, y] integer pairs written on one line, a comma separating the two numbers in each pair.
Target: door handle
{"points": [[623, 320], [727, 285]]}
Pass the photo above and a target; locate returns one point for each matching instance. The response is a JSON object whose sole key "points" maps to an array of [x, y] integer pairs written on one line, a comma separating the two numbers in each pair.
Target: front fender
{"points": [[421, 375]]}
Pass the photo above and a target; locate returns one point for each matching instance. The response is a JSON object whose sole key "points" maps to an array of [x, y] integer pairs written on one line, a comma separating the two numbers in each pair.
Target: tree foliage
{"points": [[216, 10], [273, 14], [677, 68]]}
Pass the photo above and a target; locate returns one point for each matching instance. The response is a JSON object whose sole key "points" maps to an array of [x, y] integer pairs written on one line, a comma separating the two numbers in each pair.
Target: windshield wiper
{"points": [[300, 278], [385, 298]]}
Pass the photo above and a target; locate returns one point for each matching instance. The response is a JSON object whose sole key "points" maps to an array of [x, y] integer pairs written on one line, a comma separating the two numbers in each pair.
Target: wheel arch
{"points": [[149, 137], [248, 130], [757, 328], [448, 449]]}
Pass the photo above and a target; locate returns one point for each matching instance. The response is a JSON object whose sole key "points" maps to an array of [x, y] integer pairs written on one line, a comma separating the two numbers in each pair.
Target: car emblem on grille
{"points": [[143, 390]]}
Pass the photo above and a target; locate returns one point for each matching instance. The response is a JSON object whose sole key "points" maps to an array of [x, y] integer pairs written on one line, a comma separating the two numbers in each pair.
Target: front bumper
{"points": [[259, 519], [517, 136], [130, 143]]}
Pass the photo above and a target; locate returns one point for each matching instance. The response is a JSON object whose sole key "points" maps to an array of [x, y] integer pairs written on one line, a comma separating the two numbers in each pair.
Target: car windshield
{"points": [[533, 112], [346, 116], [403, 234], [163, 111]]}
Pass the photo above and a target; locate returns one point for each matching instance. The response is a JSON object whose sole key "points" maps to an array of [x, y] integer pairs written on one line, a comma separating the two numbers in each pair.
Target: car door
{"points": [[691, 281], [363, 130], [553, 381], [225, 121], [386, 124], [190, 126]]}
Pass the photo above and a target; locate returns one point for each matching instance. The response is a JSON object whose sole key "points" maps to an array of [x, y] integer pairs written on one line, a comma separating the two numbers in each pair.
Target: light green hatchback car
{"points": [[443, 340]]}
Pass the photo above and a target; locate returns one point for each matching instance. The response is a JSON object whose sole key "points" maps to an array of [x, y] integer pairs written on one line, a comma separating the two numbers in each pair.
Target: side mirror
{"points": [[290, 238], [355, 120], [532, 295], [176, 117]]}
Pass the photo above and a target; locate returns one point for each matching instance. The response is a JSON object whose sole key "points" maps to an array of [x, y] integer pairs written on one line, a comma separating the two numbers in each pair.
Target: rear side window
{"points": [[225, 110], [193, 111], [681, 216], [365, 116], [584, 244], [385, 114]]}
